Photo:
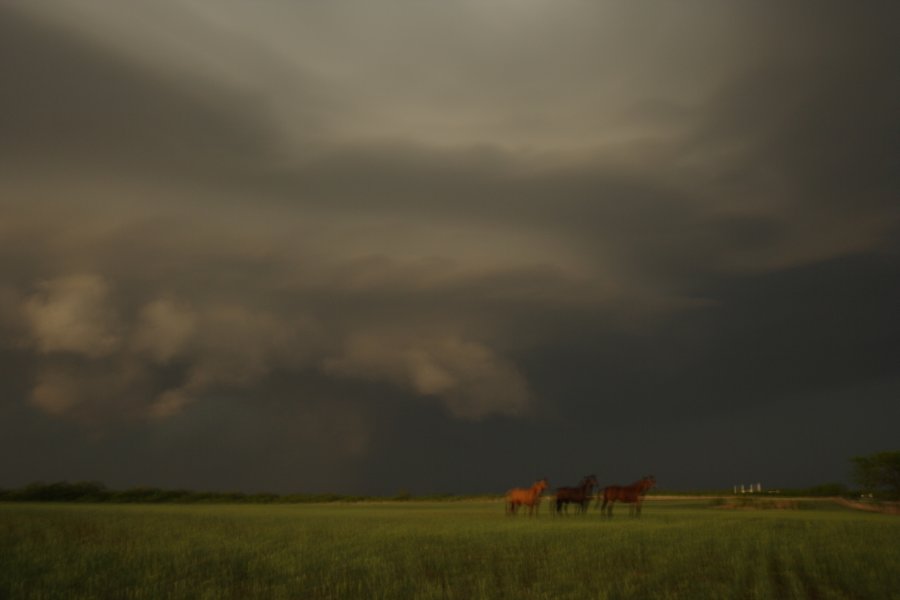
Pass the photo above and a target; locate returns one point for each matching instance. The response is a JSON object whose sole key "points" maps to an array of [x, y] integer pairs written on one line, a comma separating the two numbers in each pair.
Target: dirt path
{"points": [[889, 508]]}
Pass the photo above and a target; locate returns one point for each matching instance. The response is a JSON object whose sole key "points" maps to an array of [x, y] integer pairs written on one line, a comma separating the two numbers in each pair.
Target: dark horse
{"points": [[580, 495], [632, 494]]}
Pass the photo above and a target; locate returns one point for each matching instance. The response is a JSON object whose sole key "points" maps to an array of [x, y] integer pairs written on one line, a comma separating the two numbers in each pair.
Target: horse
{"points": [[580, 495], [632, 494], [530, 497]]}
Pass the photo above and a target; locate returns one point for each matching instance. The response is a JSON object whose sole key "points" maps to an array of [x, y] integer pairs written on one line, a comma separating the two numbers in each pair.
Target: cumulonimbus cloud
{"points": [[73, 314], [170, 353], [225, 346], [469, 379], [164, 328], [520, 192]]}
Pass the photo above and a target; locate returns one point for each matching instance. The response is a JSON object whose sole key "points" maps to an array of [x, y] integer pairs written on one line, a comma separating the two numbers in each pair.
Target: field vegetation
{"points": [[465, 549]]}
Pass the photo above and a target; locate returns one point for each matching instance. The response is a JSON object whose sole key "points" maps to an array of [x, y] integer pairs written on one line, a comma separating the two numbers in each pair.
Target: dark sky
{"points": [[447, 246]]}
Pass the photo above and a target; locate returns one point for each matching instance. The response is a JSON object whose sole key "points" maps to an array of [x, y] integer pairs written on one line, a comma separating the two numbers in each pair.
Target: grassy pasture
{"points": [[678, 549]]}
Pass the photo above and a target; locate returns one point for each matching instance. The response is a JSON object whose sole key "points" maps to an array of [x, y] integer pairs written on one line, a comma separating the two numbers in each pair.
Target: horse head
{"points": [[589, 482]]}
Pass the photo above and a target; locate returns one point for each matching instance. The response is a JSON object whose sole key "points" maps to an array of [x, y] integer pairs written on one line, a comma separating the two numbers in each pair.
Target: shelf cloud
{"points": [[365, 230]]}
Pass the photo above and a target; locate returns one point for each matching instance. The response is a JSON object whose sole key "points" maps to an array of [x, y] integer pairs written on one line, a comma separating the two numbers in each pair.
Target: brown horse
{"points": [[580, 495], [530, 497], [632, 494]]}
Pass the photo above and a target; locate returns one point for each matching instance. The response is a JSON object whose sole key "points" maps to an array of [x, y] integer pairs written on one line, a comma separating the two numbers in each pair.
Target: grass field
{"points": [[678, 549]]}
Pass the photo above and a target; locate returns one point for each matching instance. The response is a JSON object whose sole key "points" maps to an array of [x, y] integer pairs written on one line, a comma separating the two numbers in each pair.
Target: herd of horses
{"points": [[581, 496]]}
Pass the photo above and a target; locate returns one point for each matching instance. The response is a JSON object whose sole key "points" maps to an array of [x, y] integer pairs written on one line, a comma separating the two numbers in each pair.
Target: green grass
{"points": [[678, 549]]}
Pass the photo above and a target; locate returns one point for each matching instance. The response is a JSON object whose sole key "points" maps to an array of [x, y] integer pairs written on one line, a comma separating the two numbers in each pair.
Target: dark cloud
{"points": [[74, 104], [319, 262]]}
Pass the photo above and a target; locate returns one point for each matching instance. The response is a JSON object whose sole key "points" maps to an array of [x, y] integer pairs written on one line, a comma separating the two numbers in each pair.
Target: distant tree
{"points": [[827, 489], [402, 495], [878, 473]]}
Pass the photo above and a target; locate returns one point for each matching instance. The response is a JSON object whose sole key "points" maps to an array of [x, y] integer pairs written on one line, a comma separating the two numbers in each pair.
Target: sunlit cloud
{"points": [[73, 314], [468, 378]]}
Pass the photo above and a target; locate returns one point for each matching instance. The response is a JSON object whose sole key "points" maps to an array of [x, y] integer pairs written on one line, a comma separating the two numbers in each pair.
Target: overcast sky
{"points": [[359, 246]]}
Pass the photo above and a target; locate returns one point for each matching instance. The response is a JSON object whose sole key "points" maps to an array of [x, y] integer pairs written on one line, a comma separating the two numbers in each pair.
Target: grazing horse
{"points": [[580, 495], [632, 494], [530, 497]]}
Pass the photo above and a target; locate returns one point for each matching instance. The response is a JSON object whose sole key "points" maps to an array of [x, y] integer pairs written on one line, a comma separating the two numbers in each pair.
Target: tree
{"points": [[878, 473]]}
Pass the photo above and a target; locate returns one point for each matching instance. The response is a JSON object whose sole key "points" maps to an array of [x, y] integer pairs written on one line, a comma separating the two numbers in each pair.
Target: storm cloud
{"points": [[363, 246]]}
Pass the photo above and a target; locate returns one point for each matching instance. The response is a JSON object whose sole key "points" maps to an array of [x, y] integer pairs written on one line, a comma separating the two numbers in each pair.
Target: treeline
{"points": [[823, 490], [93, 491]]}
